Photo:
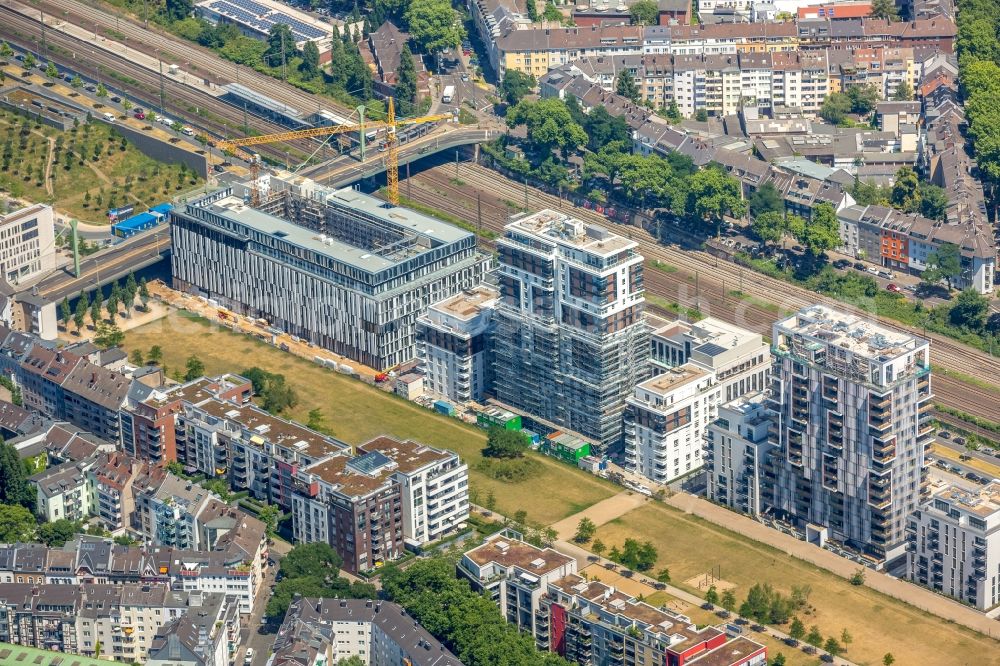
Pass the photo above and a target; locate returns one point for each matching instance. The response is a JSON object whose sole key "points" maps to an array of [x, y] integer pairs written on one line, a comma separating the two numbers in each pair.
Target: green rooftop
{"points": [[19, 655]]}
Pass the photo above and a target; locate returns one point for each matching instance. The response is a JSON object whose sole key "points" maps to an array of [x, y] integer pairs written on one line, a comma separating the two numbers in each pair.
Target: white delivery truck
{"points": [[449, 94]]}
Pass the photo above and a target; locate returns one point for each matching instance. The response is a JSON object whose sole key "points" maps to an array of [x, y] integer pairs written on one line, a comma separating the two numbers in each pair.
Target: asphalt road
{"points": [[250, 635]]}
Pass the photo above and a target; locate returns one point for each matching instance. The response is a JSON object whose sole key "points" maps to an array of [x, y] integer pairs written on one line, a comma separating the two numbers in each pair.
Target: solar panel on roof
{"points": [[371, 462], [710, 349]]}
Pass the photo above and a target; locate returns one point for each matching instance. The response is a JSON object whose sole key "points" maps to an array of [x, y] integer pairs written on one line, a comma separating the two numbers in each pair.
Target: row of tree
{"points": [[978, 47], [119, 296]]}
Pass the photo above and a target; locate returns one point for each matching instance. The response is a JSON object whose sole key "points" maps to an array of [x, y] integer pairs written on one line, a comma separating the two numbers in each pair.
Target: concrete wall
{"points": [[162, 151]]}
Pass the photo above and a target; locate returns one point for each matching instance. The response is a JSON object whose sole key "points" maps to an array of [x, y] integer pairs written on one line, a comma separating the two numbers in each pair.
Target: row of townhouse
{"points": [[210, 426], [535, 51], [67, 386], [119, 622], [391, 496], [587, 622], [234, 566], [724, 84]]}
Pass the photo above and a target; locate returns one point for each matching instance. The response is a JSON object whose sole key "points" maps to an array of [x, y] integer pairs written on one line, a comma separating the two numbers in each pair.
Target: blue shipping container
{"points": [[444, 407], [142, 221]]}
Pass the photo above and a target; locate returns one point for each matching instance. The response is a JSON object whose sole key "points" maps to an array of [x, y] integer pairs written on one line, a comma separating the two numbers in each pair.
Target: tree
{"points": [[728, 600], [269, 515], [663, 575], [65, 313], [195, 368], [102, 91], [516, 85], [406, 83], [51, 71], [970, 310], [127, 105], [779, 660], [82, 305], [108, 335], [128, 293], [933, 202], [585, 530], [944, 263], [832, 646], [769, 227], [502, 443], [712, 596], [155, 355], [863, 98], [520, 518], [532, 11], [280, 45], [310, 60], [713, 194], [845, 637], [17, 524], [491, 501], [858, 577], [766, 199], [835, 108], [57, 533], [14, 486], [551, 12], [5, 50], [644, 12], [315, 421], [636, 555], [814, 638], [29, 60], [885, 10], [797, 630], [903, 92], [311, 559], [598, 547], [136, 357], [178, 10], [76, 81], [888, 659], [906, 190], [822, 230], [354, 660], [144, 294], [550, 125], [277, 395], [625, 86], [434, 25]]}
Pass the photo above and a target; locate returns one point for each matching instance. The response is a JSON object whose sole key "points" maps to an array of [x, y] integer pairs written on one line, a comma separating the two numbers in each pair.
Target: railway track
{"points": [[694, 279], [219, 118], [156, 42]]}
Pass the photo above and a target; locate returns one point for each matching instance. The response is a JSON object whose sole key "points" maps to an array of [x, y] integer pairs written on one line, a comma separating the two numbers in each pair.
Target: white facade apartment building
{"points": [[800, 80], [706, 364], [738, 446], [955, 544], [515, 575], [27, 243], [454, 343], [338, 268]]}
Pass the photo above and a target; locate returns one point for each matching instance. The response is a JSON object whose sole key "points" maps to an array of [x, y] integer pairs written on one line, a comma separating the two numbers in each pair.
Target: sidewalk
{"points": [[909, 593], [603, 512]]}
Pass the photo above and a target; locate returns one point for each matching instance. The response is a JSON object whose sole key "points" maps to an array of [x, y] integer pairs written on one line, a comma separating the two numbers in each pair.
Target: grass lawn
{"points": [[356, 412], [689, 546]]}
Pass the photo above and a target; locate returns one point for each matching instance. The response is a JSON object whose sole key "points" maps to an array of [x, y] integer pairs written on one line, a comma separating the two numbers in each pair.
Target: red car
{"points": [[893, 288], [140, 115]]}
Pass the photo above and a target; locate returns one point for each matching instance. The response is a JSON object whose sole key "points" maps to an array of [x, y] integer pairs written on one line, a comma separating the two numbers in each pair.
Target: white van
{"points": [[165, 121], [110, 117], [187, 131], [249, 656]]}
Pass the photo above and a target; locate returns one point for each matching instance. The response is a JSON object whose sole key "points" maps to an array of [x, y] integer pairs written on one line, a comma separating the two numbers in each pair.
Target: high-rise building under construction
{"points": [[571, 337]]}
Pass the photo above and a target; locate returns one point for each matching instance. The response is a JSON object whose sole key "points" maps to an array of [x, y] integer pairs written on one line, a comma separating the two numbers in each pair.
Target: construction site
{"points": [[339, 269]]}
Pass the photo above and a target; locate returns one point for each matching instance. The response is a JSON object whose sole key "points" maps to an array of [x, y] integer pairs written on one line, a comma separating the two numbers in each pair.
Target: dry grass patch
{"points": [[356, 412]]}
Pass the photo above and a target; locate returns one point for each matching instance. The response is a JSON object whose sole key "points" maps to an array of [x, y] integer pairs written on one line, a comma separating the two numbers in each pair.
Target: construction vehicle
{"points": [[391, 126]]}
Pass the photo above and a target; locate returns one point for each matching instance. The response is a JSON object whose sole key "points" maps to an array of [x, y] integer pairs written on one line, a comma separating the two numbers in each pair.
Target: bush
{"points": [[513, 471]]}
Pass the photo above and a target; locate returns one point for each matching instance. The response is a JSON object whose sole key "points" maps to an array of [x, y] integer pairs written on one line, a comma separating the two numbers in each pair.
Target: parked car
{"points": [[90, 87], [960, 441], [971, 476], [841, 263], [872, 270], [894, 288], [859, 266], [116, 99], [944, 434]]}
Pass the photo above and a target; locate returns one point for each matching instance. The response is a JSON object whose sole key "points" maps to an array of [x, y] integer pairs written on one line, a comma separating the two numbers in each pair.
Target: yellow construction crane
{"points": [[390, 124]]}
